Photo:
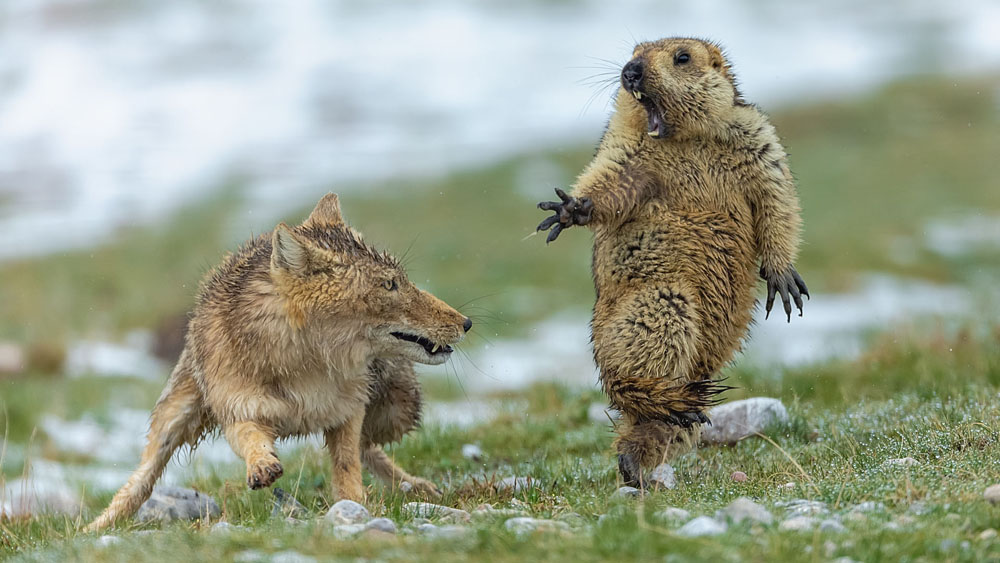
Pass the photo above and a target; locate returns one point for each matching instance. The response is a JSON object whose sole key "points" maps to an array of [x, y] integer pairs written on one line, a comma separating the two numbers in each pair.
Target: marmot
{"points": [[689, 188]]}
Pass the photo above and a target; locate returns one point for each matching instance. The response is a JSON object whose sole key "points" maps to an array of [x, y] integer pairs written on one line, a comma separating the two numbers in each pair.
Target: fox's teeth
{"points": [[435, 348]]}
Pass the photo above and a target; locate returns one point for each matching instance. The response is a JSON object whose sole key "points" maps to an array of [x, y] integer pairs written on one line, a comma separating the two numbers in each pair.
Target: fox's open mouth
{"points": [[431, 348], [657, 126]]}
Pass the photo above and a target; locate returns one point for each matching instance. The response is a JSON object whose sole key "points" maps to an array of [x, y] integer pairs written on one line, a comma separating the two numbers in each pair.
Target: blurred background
{"points": [[140, 140]]}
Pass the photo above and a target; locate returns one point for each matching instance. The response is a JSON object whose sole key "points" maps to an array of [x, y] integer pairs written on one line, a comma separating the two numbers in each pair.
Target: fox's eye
{"points": [[390, 285], [682, 57]]}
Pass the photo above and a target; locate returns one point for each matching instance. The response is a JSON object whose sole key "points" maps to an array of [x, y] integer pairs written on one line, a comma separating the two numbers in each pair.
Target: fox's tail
{"points": [[178, 418]]}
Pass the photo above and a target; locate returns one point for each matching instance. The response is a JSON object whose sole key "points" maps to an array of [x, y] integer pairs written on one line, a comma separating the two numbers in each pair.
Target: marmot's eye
{"points": [[390, 285], [682, 57]]}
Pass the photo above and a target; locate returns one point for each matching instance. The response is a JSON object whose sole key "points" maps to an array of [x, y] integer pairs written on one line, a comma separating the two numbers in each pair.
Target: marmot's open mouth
{"points": [[656, 126], [431, 348]]}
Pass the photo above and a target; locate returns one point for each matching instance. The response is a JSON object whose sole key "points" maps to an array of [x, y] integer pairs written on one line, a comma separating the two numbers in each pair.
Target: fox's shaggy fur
{"points": [[302, 330], [688, 191]]}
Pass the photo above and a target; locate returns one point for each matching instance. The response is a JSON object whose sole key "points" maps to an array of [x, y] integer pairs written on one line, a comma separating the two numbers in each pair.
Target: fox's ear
{"points": [[288, 251], [327, 212]]}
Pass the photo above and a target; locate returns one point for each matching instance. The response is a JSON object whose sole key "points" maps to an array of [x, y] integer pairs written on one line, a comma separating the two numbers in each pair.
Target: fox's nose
{"points": [[632, 74], [467, 324]]}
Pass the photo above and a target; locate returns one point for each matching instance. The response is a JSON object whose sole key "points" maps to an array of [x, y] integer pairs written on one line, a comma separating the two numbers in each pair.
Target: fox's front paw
{"points": [[788, 282], [571, 211], [421, 487], [263, 471]]}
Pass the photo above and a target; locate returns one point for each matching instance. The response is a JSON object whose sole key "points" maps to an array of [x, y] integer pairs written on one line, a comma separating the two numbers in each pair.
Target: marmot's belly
{"points": [[708, 257]]}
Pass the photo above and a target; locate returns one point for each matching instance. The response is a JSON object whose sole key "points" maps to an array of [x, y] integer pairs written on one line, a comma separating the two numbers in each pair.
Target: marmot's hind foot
{"points": [[630, 471]]}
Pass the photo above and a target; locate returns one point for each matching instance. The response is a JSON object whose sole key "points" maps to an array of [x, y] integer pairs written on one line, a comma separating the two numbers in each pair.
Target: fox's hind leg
{"points": [[393, 411], [255, 444]]}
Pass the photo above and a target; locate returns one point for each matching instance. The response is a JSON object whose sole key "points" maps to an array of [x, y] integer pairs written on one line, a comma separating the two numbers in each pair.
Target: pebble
{"points": [[226, 527], [12, 358], [901, 462], [788, 485], [344, 531], [802, 507], [291, 556], [992, 494], [745, 509], [487, 510], [286, 505], [105, 541], [732, 422], [832, 526], [177, 503], [738, 476], [347, 512], [448, 532], [662, 477], [868, 506], [702, 526], [573, 519], [429, 510], [627, 492], [524, 525], [987, 534], [472, 452], [799, 524], [250, 556], [517, 484], [672, 514], [381, 524], [919, 508]]}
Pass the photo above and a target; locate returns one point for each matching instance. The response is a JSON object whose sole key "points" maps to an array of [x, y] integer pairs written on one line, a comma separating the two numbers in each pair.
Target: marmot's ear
{"points": [[288, 251], [327, 212]]}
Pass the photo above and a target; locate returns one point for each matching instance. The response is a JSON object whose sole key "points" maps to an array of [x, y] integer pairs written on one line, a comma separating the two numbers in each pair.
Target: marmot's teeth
{"points": [[637, 95], [435, 348], [654, 133]]}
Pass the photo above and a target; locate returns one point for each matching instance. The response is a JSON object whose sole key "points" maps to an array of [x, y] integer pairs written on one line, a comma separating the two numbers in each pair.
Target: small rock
{"points": [[662, 477], [799, 524], [829, 548], [177, 503], [517, 484], [627, 492], [803, 507], [738, 476], [250, 556], [285, 505], [992, 494], [347, 512], [472, 452], [788, 485], [601, 413], [573, 519], [987, 534], [900, 462], [12, 358], [952, 517], [381, 524], [868, 506], [702, 526], [344, 531], [745, 509], [523, 526], [486, 510], [856, 517], [737, 420], [429, 510], [291, 556], [831, 526], [919, 508], [105, 541], [671, 514], [845, 560], [226, 527], [447, 532]]}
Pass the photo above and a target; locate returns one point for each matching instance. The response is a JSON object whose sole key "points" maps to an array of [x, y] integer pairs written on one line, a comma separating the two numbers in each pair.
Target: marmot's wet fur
{"points": [[688, 191]]}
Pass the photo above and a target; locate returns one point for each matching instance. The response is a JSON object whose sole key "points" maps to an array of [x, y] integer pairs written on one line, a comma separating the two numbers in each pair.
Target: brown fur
{"points": [[291, 335], [682, 207]]}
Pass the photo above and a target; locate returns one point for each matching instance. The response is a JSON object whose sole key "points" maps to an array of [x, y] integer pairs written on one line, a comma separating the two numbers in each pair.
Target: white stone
{"points": [[868, 506], [987, 534], [627, 492], [522, 525], [291, 556], [11, 358], [732, 422], [992, 494], [105, 541], [803, 507], [662, 477], [745, 509], [901, 462], [250, 556], [382, 525], [347, 512], [832, 526], [344, 531], [517, 484], [702, 526], [226, 527], [799, 524], [672, 514], [472, 452], [429, 510], [177, 503]]}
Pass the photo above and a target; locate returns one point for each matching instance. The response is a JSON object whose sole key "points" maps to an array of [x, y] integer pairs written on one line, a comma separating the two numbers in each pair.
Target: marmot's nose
{"points": [[468, 324], [632, 74]]}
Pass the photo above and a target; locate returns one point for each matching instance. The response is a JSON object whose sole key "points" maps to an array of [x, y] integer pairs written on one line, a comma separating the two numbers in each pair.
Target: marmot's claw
{"points": [[554, 234], [570, 211], [789, 285], [547, 223], [630, 471]]}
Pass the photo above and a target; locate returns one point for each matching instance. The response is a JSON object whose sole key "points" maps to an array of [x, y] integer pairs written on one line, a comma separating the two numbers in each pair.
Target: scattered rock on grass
{"points": [[12, 358], [486, 510], [517, 484], [832, 526], [225, 527], [105, 541], [662, 477], [992, 494], [987, 534], [745, 509], [868, 506], [702, 526], [573, 519], [177, 503], [523, 526], [802, 507], [430, 530], [291, 556], [472, 452], [345, 512], [344, 531], [381, 524], [429, 510], [901, 462], [671, 514], [286, 506], [799, 523], [627, 492], [732, 422], [738, 476]]}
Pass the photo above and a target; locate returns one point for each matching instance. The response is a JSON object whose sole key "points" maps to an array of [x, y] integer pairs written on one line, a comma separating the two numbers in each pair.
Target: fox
{"points": [[302, 330]]}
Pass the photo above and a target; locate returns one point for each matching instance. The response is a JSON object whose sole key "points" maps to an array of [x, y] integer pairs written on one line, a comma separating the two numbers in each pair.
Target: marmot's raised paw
{"points": [[786, 283], [264, 471], [571, 211]]}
